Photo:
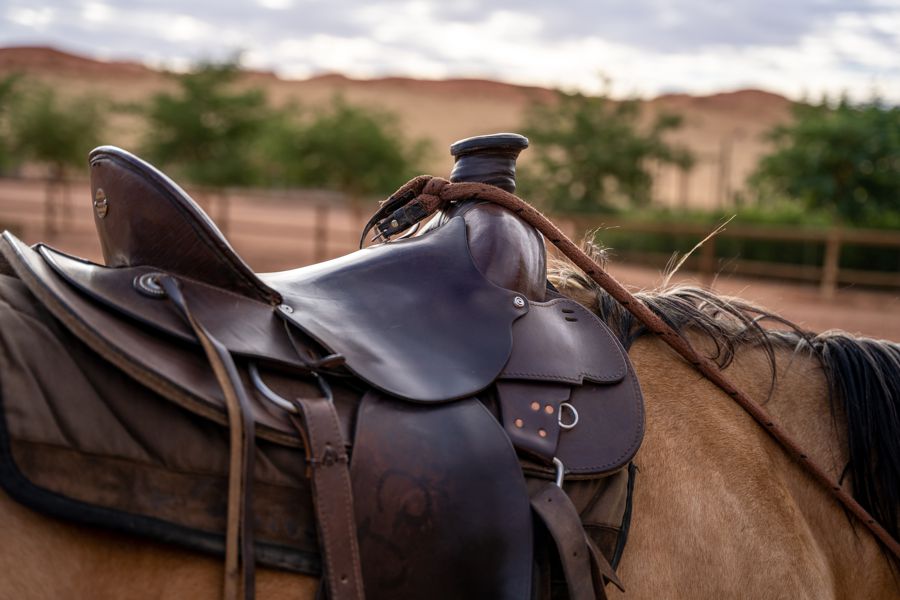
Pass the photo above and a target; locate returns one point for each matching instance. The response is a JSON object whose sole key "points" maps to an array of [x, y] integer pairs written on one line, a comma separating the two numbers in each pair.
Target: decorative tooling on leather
{"points": [[435, 485]]}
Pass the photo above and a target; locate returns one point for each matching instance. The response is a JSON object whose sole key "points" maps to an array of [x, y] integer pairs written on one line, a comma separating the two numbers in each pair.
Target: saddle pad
{"points": [[80, 440]]}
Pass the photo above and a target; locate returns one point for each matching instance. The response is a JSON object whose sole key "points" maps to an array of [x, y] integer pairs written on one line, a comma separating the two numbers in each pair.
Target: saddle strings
{"points": [[425, 195]]}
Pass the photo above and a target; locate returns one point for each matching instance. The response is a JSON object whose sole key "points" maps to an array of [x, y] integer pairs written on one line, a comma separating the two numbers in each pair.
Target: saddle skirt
{"points": [[415, 322]]}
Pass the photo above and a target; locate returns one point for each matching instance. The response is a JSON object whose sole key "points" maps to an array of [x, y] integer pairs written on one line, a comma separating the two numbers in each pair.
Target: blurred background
{"points": [[652, 124]]}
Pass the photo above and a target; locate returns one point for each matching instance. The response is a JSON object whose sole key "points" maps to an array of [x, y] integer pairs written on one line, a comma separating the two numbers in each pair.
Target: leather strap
{"points": [[561, 518], [426, 193], [329, 466], [239, 559]]}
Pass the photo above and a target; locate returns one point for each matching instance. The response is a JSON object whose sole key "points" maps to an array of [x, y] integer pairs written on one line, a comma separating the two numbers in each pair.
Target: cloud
{"points": [[645, 46]]}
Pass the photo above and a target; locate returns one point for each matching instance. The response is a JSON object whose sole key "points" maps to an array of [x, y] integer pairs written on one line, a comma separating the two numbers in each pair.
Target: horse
{"points": [[719, 509], [714, 507]]}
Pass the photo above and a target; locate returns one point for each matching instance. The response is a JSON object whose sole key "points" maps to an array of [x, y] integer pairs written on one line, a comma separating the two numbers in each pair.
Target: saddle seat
{"points": [[428, 323]]}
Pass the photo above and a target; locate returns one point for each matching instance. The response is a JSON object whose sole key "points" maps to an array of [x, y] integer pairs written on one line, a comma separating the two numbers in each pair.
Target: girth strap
{"points": [[329, 471], [583, 565], [239, 560]]}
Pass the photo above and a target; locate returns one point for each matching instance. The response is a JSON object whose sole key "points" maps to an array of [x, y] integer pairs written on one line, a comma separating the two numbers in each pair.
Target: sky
{"points": [[799, 48]]}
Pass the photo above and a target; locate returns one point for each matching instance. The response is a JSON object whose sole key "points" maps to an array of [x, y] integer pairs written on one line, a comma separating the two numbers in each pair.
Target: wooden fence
{"points": [[288, 228], [828, 275]]}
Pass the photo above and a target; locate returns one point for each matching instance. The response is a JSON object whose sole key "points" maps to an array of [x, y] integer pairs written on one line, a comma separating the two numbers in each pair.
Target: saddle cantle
{"points": [[465, 362]]}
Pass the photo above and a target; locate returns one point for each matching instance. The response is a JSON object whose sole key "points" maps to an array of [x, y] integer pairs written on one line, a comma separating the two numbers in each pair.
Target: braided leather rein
{"points": [[425, 195]]}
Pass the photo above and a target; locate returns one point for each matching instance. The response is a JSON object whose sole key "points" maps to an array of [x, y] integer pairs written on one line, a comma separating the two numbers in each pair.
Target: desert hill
{"points": [[724, 130]]}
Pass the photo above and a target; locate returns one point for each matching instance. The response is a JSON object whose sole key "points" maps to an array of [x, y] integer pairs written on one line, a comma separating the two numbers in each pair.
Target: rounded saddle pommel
{"points": [[507, 250], [488, 159]]}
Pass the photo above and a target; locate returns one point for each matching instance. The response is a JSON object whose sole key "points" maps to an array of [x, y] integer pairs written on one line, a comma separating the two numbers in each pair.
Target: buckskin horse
{"points": [[173, 406]]}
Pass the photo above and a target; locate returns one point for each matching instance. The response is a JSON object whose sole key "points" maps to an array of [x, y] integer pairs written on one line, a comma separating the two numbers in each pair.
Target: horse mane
{"points": [[863, 375]]}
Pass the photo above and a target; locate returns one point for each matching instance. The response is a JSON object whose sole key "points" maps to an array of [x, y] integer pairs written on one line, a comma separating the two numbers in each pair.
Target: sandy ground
{"points": [[274, 234]]}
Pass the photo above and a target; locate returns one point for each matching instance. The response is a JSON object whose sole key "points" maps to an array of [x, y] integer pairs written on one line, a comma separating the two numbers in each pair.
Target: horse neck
{"points": [[702, 449], [794, 391]]}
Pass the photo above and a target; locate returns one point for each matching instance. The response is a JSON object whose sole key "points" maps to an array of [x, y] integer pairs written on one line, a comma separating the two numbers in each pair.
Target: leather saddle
{"points": [[473, 391]]}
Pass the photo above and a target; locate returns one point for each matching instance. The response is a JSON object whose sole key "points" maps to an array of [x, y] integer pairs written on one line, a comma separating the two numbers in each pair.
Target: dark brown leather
{"points": [[558, 331], [173, 370], [387, 338], [529, 412], [559, 516], [507, 251], [245, 326], [549, 346], [414, 318], [149, 220], [421, 319], [441, 503], [329, 468]]}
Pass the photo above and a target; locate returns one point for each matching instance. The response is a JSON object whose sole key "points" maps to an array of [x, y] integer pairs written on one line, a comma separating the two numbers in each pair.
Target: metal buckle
{"points": [[560, 471]]}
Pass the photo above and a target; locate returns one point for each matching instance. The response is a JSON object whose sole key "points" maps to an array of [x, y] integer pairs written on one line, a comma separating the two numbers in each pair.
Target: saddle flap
{"points": [[569, 391], [413, 317], [145, 218], [562, 341]]}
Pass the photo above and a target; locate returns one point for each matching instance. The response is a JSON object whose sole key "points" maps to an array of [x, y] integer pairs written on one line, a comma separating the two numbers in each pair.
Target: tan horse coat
{"points": [[719, 509]]}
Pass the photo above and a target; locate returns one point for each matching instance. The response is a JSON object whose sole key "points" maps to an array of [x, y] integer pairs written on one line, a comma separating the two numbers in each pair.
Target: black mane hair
{"points": [[863, 374]]}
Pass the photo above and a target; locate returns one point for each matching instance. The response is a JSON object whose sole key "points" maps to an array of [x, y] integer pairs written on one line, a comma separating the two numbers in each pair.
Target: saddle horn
{"points": [[488, 159]]}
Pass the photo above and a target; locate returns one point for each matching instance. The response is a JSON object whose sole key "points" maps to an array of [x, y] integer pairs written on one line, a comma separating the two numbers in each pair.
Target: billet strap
{"points": [[426, 195], [239, 559], [561, 519], [317, 422]]}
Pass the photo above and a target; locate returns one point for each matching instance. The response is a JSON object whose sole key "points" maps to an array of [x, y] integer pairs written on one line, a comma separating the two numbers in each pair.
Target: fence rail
{"points": [[828, 274]]}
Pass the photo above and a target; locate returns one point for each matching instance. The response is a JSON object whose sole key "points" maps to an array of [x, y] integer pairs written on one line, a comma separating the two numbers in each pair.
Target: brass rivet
{"points": [[394, 223], [519, 423], [101, 203], [542, 433], [535, 405], [549, 409]]}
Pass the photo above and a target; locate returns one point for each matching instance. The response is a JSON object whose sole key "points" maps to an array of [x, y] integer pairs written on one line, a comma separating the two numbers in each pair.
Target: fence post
{"points": [[50, 208], [831, 264], [320, 239]]}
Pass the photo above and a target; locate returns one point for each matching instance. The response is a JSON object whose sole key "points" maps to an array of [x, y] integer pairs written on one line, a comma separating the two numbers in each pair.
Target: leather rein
{"points": [[424, 195]]}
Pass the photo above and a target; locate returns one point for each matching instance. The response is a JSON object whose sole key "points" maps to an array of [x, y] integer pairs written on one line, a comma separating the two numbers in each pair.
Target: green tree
{"points": [[56, 133], [208, 130], [359, 151], [591, 155], [842, 158], [9, 94]]}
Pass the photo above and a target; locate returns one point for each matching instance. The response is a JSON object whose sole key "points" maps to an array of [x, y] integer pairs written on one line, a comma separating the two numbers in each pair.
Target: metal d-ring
{"points": [[574, 416], [277, 400]]}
